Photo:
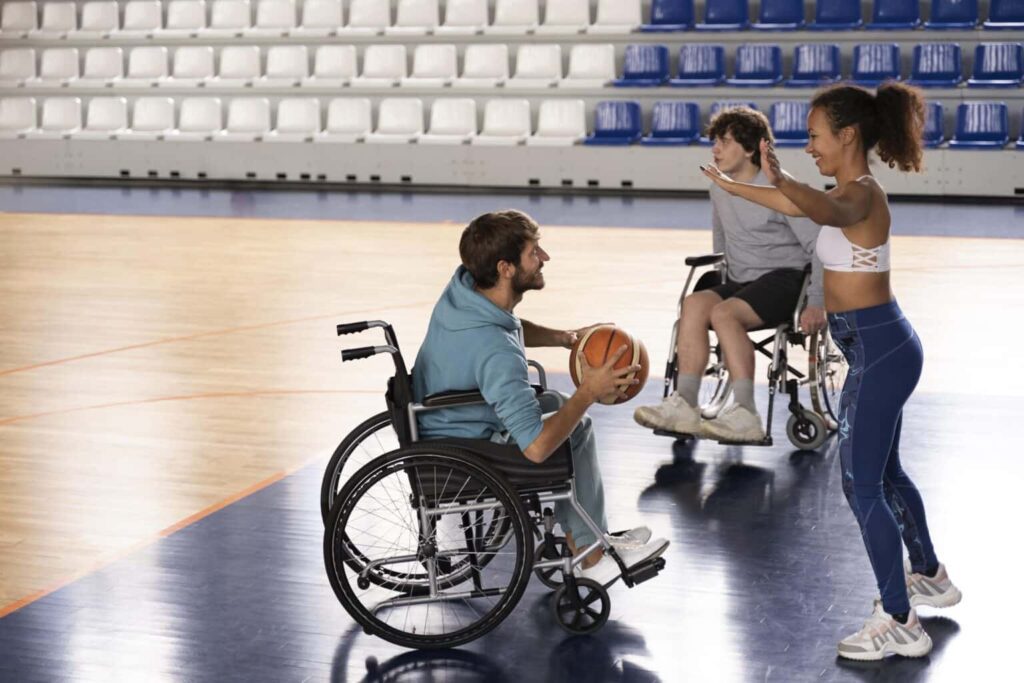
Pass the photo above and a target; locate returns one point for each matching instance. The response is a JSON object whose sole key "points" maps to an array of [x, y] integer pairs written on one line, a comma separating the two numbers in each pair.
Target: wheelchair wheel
{"points": [[583, 608], [807, 431], [551, 576], [370, 439], [827, 373], [407, 511], [714, 390]]}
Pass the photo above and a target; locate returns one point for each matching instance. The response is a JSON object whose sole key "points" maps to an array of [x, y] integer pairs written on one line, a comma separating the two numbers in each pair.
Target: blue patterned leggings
{"points": [[885, 359]]}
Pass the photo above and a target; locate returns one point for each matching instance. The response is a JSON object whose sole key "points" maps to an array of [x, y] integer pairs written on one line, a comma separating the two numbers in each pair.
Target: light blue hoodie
{"points": [[471, 344]]}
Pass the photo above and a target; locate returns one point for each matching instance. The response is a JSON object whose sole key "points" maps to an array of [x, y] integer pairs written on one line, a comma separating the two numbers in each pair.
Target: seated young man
{"points": [[475, 341], [766, 253]]}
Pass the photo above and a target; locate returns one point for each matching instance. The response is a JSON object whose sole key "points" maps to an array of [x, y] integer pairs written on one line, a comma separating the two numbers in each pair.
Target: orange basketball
{"points": [[598, 344]]}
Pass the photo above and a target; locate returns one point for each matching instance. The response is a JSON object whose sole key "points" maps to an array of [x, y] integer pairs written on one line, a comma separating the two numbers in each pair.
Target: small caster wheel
{"points": [[363, 583], [806, 431], [583, 610], [551, 576]]}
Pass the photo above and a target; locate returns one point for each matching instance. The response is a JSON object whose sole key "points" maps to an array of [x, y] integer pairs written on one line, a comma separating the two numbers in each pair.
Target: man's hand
{"points": [[605, 383], [812, 320], [569, 337]]}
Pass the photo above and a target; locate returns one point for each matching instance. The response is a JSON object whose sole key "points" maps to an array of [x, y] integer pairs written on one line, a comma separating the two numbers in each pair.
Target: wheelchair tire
{"points": [[373, 437], [551, 576], [807, 431], [359, 498], [575, 609]]}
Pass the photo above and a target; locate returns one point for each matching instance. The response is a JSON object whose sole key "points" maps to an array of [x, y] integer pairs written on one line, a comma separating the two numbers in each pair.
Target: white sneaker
{"points": [[931, 591], [606, 570], [882, 635], [735, 423], [633, 538], [673, 414]]}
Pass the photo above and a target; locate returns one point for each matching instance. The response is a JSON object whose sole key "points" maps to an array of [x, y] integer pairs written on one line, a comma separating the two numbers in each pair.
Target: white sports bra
{"points": [[836, 252]]}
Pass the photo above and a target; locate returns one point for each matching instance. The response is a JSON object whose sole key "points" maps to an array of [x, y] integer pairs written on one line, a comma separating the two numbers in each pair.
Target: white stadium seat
{"points": [[415, 17], [105, 118], [367, 17], [185, 18], [248, 120], [298, 120], [199, 119], [103, 66], [452, 122], [141, 17], [506, 122], [17, 65], [58, 66], [464, 17], [560, 123], [61, 117], [193, 67], [334, 66], [617, 16], [287, 66], [399, 120], [17, 116], [99, 18], [590, 66], [565, 17], [348, 120], [18, 18], [147, 67], [484, 66], [239, 66], [320, 18], [433, 66], [152, 119], [537, 66], [514, 17], [229, 19], [59, 19], [274, 18], [383, 66]]}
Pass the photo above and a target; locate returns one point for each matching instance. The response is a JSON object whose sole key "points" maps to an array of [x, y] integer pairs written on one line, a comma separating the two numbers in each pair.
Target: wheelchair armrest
{"points": [[705, 260], [453, 398]]}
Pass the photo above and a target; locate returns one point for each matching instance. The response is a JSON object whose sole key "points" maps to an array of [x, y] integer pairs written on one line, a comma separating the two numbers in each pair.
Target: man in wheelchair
{"points": [[766, 254], [475, 342]]}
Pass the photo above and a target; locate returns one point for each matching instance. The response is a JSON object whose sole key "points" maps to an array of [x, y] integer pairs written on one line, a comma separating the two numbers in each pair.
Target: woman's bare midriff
{"points": [[850, 291]]}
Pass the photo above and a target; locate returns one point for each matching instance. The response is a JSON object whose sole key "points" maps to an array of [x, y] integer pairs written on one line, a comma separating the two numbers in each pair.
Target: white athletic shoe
{"points": [[606, 570], [735, 423], [673, 414], [931, 591], [883, 635], [633, 538]]}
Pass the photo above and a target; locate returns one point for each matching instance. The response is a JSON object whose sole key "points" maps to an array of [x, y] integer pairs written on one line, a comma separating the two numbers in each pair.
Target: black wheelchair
{"points": [[824, 374], [431, 543]]}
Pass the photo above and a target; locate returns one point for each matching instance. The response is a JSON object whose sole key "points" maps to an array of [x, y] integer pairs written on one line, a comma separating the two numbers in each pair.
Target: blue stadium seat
{"points": [[780, 15], [757, 66], [948, 14], [789, 123], [937, 65], [670, 15], [1005, 14], [998, 65], [874, 63], [815, 64], [645, 65], [933, 135], [1020, 140], [673, 123], [895, 15], [615, 123], [725, 15], [836, 15], [981, 125], [700, 65], [719, 106]]}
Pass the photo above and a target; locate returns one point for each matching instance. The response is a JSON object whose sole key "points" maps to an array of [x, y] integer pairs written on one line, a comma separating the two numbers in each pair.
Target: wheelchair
{"points": [[824, 375], [431, 544]]}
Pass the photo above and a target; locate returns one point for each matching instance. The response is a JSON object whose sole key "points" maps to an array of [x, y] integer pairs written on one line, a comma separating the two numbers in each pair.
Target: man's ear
{"points": [[506, 270]]}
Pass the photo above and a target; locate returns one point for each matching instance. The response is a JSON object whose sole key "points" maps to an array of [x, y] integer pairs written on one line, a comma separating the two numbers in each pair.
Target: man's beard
{"points": [[523, 283]]}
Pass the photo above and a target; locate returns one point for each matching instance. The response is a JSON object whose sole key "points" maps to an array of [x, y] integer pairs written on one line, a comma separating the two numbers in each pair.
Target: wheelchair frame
{"points": [[807, 428], [555, 568]]}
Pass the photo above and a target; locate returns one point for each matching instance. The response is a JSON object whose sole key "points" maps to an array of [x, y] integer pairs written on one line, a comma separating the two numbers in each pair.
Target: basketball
{"points": [[598, 344]]}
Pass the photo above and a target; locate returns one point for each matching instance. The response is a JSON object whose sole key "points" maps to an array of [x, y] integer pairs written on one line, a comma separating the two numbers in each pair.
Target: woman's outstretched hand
{"points": [[719, 178], [770, 165]]}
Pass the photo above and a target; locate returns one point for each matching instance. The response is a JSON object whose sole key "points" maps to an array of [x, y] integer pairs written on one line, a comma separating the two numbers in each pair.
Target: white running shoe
{"points": [[673, 414], [735, 423], [606, 570], [883, 635], [931, 591], [633, 538]]}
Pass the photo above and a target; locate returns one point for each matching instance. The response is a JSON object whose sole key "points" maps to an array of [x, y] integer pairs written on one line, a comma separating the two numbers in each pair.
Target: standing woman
{"points": [[884, 353]]}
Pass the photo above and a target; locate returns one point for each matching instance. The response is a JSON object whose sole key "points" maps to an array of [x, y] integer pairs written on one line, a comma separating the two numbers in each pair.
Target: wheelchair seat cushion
{"points": [[774, 296], [523, 474]]}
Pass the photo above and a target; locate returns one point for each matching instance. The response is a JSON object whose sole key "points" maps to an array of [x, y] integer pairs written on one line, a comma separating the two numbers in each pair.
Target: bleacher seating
{"points": [[815, 65], [673, 123], [892, 15], [565, 17], [936, 65], [616, 123], [952, 14], [1005, 15], [452, 122], [757, 66], [700, 65], [981, 125], [933, 134], [874, 63], [725, 15], [789, 123], [780, 15], [506, 122], [670, 15], [560, 123], [998, 65], [644, 66], [836, 15]]}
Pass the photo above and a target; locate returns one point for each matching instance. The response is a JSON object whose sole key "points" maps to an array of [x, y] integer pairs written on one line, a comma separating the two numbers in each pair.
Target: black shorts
{"points": [[773, 296]]}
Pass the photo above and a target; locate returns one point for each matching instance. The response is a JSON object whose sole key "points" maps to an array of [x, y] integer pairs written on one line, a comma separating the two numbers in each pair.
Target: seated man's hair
{"points": [[747, 127], [493, 237]]}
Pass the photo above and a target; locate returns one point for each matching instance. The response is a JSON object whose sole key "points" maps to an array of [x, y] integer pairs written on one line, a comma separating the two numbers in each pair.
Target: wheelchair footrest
{"points": [[674, 435], [643, 571], [767, 441]]}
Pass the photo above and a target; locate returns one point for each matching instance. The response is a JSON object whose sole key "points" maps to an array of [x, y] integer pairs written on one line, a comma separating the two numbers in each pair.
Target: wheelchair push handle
{"points": [[365, 352], [352, 328]]}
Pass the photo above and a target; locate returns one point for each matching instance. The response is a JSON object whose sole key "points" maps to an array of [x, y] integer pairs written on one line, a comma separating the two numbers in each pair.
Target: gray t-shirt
{"points": [[757, 240]]}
